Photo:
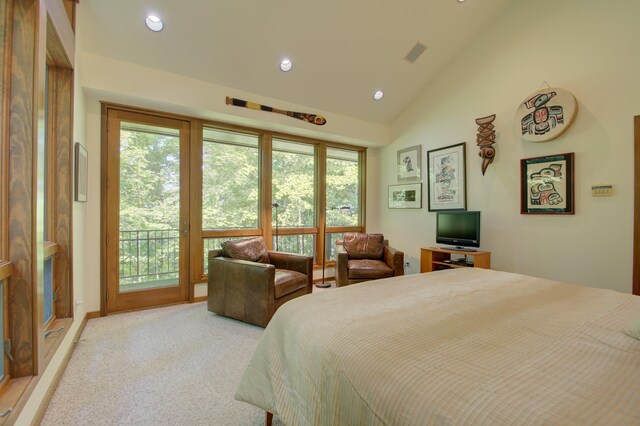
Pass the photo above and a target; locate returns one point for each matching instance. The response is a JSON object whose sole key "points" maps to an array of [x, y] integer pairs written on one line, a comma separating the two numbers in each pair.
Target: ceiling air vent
{"points": [[415, 53]]}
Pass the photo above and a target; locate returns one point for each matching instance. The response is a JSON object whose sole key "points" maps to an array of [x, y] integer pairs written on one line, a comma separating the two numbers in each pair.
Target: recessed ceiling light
{"points": [[378, 95], [154, 23], [460, 1], [286, 65]]}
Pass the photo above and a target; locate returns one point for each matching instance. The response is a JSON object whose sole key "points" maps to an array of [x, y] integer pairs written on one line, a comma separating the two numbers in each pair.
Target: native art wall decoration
{"points": [[545, 114], [546, 184], [309, 118], [485, 139]]}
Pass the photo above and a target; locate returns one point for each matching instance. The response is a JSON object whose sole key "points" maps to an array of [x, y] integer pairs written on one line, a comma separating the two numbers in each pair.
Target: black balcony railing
{"points": [[149, 255]]}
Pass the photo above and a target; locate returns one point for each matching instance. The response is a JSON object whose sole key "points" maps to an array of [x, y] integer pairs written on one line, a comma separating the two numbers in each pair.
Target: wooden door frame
{"points": [[636, 208], [109, 168]]}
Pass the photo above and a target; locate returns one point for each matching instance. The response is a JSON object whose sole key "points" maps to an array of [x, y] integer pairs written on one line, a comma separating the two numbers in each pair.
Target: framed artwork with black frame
{"points": [[80, 173], [407, 196], [447, 178], [546, 184], [409, 164]]}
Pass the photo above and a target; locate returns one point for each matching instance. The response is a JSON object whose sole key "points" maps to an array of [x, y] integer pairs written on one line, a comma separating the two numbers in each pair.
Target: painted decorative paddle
{"points": [[309, 118]]}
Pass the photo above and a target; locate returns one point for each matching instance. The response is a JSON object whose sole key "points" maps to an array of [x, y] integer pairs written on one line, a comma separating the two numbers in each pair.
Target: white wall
{"points": [[586, 47]]}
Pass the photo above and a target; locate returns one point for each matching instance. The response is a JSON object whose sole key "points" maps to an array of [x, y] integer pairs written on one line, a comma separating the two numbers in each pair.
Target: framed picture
{"points": [[546, 184], [447, 178], [409, 164], [80, 173], [407, 196]]}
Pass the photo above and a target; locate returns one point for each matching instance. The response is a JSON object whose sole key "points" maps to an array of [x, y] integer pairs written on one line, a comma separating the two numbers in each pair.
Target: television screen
{"points": [[458, 228]]}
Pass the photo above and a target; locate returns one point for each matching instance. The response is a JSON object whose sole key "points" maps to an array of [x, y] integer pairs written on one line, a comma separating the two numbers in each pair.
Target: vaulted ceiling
{"points": [[342, 50]]}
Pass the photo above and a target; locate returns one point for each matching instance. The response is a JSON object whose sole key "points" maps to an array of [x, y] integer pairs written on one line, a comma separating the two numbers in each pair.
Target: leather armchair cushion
{"points": [[251, 249], [287, 282], [364, 246], [368, 269]]}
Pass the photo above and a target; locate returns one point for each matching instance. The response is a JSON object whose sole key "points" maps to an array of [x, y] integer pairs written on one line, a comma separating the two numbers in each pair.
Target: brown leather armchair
{"points": [[364, 257], [249, 283]]}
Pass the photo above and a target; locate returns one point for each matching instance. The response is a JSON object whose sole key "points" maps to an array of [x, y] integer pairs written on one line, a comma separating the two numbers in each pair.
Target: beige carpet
{"points": [[177, 365]]}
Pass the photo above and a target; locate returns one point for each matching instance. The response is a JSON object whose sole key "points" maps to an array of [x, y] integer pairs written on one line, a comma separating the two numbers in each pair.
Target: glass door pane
{"points": [[149, 224]]}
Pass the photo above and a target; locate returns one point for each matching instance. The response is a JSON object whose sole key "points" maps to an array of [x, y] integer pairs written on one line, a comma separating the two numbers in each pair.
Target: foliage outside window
{"points": [[236, 188], [150, 155], [296, 243], [149, 206], [343, 187], [230, 180], [293, 183]]}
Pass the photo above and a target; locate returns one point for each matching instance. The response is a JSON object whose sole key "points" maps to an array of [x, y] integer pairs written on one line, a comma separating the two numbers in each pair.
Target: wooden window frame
{"points": [[34, 33], [197, 235]]}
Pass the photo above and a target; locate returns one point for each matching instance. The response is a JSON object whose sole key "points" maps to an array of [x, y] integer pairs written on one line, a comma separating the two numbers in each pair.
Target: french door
{"points": [[147, 226]]}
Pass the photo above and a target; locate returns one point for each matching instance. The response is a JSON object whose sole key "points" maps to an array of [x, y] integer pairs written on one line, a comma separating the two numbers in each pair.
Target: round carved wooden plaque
{"points": [[545, 114]]}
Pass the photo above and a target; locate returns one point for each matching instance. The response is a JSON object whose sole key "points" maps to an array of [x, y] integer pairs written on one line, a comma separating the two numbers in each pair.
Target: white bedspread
{"points": [[467, 346]]}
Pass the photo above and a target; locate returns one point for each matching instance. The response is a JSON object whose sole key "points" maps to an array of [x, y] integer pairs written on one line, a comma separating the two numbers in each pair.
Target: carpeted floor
{"points": [[177, 365]]}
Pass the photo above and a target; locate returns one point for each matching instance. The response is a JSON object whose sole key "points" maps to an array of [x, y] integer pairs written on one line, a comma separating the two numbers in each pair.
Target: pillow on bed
{"points": [[633, 329]]}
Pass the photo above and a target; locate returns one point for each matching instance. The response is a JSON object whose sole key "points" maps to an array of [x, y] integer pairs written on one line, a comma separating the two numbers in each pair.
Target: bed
{"points": [[465, 346]]}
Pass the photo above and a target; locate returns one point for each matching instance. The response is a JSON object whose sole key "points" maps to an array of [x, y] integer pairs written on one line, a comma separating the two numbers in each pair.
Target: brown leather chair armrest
{"points": [[395, 259], [292, 262], [215, 253], [241, 289], [342, 258]]}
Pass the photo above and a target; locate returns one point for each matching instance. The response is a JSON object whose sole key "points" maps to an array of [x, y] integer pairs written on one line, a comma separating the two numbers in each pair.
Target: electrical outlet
{"points": [[407, 264]]}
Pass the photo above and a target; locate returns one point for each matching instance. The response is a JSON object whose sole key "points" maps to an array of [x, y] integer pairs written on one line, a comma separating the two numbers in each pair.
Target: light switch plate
{"points": [[602, 190]]}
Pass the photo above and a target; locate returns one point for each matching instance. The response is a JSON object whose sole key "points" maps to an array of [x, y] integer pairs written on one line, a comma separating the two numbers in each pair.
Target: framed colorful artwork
{"points": [[407, 196], [546, 185], [409, 165], [447, 178]]}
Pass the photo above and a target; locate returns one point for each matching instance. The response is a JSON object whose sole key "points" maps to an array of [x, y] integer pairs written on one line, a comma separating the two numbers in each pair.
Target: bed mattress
{"points": [[465, 346]]}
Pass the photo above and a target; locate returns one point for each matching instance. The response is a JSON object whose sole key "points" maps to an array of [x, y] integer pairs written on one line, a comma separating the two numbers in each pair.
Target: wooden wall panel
{"points": [[5, 62], [22, 194], [62, 187], [636, 211], [70, 8]]}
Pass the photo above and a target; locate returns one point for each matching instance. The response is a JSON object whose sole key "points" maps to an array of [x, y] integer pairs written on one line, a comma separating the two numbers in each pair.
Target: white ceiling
{"points": [[342, 50]]}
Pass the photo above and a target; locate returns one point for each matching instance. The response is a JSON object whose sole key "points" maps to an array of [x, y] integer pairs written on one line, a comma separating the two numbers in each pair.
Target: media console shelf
{"points": [[435, 259]]}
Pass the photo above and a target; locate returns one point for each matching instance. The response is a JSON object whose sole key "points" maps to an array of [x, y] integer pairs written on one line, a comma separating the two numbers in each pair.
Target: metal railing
{"points": [[149, 255]]}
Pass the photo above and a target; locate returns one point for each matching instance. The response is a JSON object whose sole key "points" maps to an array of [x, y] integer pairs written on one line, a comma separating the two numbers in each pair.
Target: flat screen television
{"points": [[458, 228]]}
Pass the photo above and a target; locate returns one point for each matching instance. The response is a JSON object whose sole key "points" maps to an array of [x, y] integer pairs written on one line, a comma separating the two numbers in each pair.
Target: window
{"points": [[343, 194], [212, 244], [5, 370], [343, 187], [293, 189], [38, 194], [293, 184], [230, 180]]}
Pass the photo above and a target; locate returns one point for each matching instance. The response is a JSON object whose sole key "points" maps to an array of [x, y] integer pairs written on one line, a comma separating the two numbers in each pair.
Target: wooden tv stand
{"points": [[435, 259]]}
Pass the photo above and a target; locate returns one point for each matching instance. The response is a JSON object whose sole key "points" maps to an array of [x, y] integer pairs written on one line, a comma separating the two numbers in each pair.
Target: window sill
{"points": [[50, 249], [13, 391], [6, 268], [16, 392]]}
